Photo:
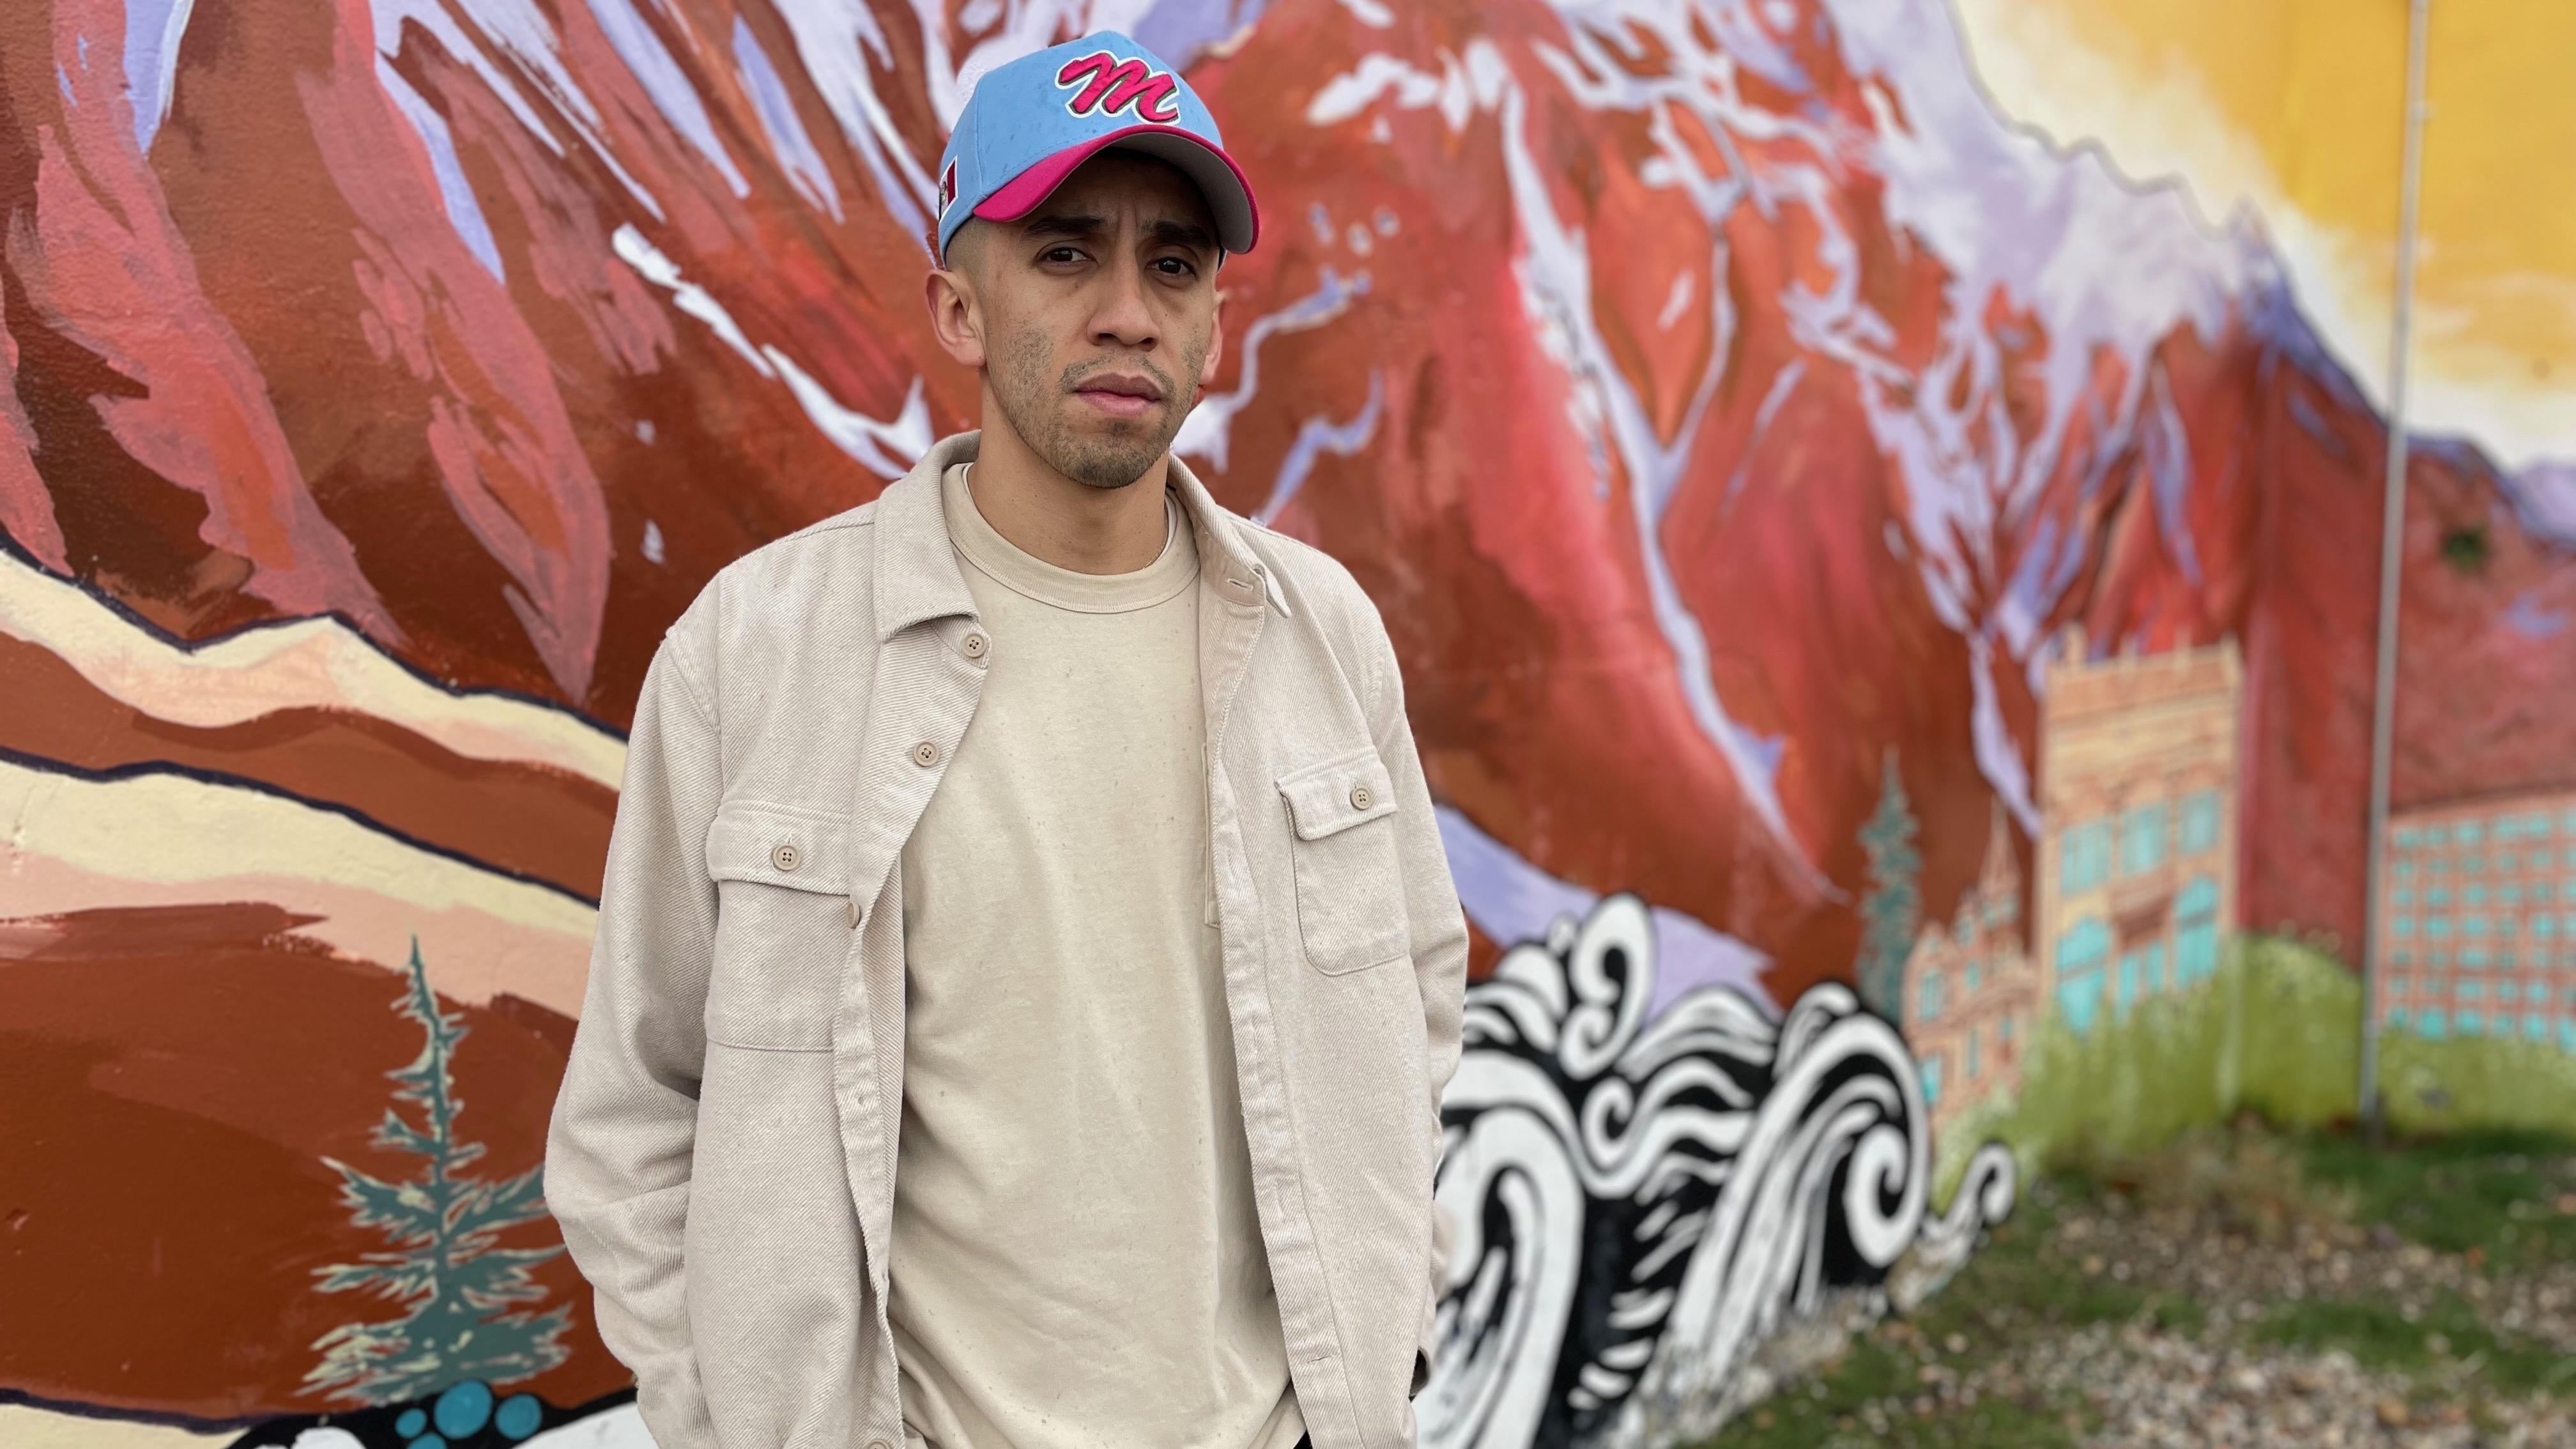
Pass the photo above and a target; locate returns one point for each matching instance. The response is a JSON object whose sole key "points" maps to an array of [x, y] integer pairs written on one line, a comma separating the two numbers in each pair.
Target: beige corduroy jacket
{"points": [[723, 1151]]}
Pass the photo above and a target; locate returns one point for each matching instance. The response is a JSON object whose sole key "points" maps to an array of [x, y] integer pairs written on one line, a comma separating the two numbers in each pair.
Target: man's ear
{"points": [[1216, 347], [954, 316]]}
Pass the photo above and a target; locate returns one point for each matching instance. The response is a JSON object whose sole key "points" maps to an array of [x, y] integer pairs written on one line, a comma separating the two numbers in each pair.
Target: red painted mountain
{"points": [[1715, 398]]}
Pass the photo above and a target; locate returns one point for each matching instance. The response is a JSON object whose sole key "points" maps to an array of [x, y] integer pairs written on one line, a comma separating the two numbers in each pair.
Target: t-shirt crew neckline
{"points": [[1022, 572]]}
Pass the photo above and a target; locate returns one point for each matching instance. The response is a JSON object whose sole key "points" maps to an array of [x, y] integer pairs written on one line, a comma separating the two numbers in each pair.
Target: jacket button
{"points": [[975, 646], [1361, 799], [786, 856], [926, 754], [879, 1444]]}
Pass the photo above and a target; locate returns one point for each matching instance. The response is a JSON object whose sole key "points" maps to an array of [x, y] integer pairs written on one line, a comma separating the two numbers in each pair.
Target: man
{"points": [[1027, 967]]}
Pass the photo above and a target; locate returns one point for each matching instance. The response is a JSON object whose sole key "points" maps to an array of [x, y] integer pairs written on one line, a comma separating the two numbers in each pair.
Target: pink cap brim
{"points": [[1229, 195]]}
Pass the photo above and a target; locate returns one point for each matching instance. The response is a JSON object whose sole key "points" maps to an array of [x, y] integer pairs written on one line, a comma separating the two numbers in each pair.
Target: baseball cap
{"points": [[1031, 122]]}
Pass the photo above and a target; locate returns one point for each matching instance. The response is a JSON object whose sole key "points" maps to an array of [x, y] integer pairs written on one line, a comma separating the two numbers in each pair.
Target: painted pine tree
{"points": [[457, 1285], [1892, 910]]}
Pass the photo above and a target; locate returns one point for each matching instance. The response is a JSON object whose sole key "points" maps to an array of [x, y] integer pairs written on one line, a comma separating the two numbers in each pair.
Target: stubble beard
{"points": [[1110, 456]]}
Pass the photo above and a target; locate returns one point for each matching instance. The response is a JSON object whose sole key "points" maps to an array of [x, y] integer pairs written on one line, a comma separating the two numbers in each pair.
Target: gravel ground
{"points": [[2222, 1299]]}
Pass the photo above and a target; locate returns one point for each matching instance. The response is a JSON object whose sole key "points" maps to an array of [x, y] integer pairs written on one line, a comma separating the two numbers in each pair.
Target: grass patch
{"points": [[2507, 1196], [2448, 1341]]}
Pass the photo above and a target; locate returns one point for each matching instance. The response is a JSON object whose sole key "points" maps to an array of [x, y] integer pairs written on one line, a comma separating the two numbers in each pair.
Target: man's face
{"points": [[1096, 315]]}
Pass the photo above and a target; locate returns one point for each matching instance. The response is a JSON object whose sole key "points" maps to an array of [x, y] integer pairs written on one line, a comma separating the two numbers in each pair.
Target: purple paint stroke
{"points": [[1512, 901]]}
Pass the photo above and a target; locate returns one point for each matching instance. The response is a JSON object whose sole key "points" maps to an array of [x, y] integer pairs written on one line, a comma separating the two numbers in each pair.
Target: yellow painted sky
{"points": [[2294, 108]]}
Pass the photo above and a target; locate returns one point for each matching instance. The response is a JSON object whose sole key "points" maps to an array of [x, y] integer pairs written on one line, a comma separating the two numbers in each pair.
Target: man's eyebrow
{"points": [[1065, 223], [1181, 233]]}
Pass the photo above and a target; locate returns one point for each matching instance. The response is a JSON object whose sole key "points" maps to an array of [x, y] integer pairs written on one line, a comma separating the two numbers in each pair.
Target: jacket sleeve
{"points": [[625, 1122], [1439, 933]]}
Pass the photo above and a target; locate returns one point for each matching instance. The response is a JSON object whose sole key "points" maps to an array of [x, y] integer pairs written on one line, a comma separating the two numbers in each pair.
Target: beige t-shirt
{"points": [[1076, 1258]]}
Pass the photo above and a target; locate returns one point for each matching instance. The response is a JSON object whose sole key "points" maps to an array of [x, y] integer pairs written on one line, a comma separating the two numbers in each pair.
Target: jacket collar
{"points": [[917, 576]]}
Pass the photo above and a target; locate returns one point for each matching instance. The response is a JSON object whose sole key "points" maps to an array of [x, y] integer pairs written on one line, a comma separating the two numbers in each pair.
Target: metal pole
{"points": [[2392, 540]]}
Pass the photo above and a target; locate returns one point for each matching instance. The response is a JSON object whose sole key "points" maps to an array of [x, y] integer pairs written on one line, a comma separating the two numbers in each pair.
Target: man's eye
{"points": [[1173, 267], [1062, 255]]}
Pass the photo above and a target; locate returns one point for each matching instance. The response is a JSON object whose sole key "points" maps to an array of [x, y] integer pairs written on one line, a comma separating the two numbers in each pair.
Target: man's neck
{"points": [[1069, 524]]}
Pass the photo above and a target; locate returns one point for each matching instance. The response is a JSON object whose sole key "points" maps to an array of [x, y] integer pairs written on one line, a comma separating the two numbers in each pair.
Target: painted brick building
{"points": [[2138, 809], [2479, 917], [1971, 993]]}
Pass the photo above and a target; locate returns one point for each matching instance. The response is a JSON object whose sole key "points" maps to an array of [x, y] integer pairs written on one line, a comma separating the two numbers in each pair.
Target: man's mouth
{"points": [[1120, 394]]}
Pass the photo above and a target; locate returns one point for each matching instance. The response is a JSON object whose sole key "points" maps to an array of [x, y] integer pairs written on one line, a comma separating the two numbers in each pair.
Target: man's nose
{"points": [[1123, 319]]}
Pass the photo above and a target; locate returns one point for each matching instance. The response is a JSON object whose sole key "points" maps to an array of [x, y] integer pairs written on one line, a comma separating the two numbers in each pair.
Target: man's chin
{"points": [[1112, 452]]}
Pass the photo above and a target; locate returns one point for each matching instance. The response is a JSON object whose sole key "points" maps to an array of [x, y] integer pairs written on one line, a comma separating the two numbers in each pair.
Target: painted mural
{"points": [[1876, 501]]}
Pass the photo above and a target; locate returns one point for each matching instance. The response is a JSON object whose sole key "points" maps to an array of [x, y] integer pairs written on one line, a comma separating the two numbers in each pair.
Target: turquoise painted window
{"points": [[2438, 927], [2084, 856], [2471, 1023], [2536, 826], [2433, 1024], [2475, 895], [2468, 832], [2535, 1026], [2473, 865], [2142, 838], [2083, 950], [2509, 895], [2473, 960], [2436, 836], [2199, 822], [1932, 1079], [2397, 1017], [1969, 974], [2473, 925], [2397, 986], [2471, 990], [2401, 897], [2508, 991], [2437, 897], [2405, 870], [2567, 822], [2402, 926], [2409, 838], [1927, 997], [2567, 1034], [2196, 931], [2003, 1027]]}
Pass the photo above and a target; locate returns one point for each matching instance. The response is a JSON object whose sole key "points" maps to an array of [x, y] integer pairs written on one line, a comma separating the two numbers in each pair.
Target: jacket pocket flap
{"points": [[1338, 794], [797, 849]]}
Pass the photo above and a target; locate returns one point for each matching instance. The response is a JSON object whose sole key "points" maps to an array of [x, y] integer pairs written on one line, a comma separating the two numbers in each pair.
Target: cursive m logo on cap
{"points": [[1115, 84]]}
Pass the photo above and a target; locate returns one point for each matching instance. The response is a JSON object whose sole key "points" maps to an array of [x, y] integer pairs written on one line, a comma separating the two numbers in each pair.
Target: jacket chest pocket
{"points": [[782, 926], [1350, 883]]}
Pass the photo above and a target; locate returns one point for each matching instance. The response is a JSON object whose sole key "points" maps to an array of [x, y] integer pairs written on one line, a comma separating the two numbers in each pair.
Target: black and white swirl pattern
{"points": [[1637, 1203]]}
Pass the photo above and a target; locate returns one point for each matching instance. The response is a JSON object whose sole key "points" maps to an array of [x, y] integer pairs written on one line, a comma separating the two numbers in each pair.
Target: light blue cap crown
{"points": [[1031, 122]]}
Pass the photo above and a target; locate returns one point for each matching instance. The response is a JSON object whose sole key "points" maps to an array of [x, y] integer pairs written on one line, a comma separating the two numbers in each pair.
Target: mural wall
{"points": [[1877, 502]]}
